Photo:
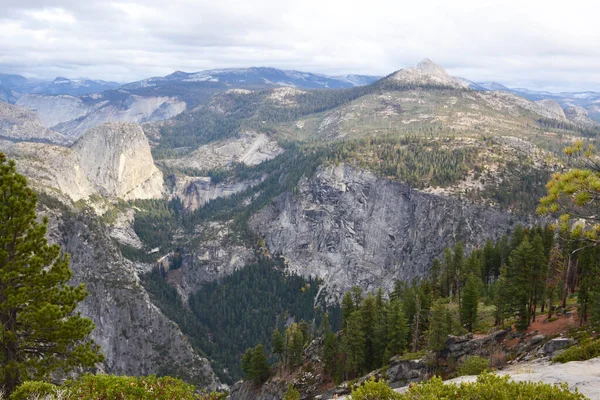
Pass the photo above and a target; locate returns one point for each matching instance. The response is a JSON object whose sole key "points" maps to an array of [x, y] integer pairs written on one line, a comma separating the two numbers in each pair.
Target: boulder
{"points": [[556, 344]]}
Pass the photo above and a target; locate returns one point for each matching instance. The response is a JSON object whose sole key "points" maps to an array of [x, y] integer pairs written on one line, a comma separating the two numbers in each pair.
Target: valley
{"points": [[205, 210]]}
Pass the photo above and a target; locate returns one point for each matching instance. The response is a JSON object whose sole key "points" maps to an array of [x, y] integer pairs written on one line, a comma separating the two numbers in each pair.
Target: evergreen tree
{"points": [[354, 344], [458, 260], [539, 270], [255, 364], [397, 331], [468, 308], [438, 332], [40, 332], [435, 273], [522, 260], [277, 344], [347, 308], [369, 321], [294, 345]]}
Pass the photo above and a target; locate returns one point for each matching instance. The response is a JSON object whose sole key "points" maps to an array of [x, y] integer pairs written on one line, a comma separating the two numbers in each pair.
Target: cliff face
{"points": [[135, 337], [351, 228], [116, 159], [18, 124], [112, 160]]}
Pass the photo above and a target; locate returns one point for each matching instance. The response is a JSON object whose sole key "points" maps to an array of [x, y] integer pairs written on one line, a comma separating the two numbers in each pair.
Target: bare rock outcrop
{"points": [[116, 159], [426, 73], [112, 160], [349, 227], [552, 107], [136, 338], [580, 116], [20, 124], [249, 148]]}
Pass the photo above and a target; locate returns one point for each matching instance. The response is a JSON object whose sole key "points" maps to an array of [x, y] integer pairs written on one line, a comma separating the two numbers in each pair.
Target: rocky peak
{"points": [[426, 73], [116, 159], [553, 107], [579, 115]]}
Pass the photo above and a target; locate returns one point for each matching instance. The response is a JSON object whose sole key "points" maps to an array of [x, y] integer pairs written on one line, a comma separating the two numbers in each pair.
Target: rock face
{"points": [[131, 108], [250, 148], [402, 372], [194, 192], [580, 115], [113, 160], [53, 110], [19, 124], [426, 73], [581, 375], [552, 107], [116, 159], [73, 116], [135, 337], [350, 228]]}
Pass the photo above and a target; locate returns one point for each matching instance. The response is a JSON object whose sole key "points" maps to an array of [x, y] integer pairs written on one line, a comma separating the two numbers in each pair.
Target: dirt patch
{"points": [[562, 325]]}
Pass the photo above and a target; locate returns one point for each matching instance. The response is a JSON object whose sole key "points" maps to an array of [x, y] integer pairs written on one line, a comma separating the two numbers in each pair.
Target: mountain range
{"points": [[171, 187]]}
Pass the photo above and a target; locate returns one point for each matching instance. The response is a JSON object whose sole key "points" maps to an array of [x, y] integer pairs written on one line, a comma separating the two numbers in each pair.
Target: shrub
{"points": [[488, 387], [586, 350], [473, 365], [292, 393], [374, 390], [34, 389], [109, 387]]}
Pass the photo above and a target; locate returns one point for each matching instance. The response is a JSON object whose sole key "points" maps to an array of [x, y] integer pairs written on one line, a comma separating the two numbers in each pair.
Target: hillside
{"points": [[331, 188]]}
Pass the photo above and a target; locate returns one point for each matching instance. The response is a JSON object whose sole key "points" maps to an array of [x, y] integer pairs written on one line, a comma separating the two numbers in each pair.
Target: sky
{"points": [[543, 45]]}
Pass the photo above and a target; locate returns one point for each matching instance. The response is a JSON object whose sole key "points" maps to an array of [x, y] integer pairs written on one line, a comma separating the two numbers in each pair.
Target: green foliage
{"points": [[374, 390], [470, 300], [39, 330], [277, 344], [292, 393], [34, 390], [112, 387], [255, 365], [584, 351], [473, 365], [489, 387], [417, 161], [228, 316], [438, 327]]}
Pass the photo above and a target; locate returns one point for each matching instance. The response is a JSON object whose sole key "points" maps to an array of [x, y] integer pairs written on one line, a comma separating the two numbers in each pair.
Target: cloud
{"points": [[531, 43]]}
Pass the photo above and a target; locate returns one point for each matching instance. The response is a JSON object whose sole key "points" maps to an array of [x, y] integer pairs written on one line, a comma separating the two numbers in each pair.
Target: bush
{"points": [[373, 390], [473, 365], [586, 350], [34, 390], [109, 387], [292, 393], [488, 387]]}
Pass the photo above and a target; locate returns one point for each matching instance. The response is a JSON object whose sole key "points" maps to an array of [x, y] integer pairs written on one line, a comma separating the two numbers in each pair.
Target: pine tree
{"points": [[258, 369], [522, 260], [539, 270], [468, 308], [40, 331], [354, 344], [438, 332], [458, 261], [277, 344], [397, 331], [347, 308], [369, 321]]}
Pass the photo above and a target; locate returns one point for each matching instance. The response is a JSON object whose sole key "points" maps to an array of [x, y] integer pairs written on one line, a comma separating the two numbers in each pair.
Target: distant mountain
{"points": [[60, 85], [426, 73], [257, 77], [585, 105]]}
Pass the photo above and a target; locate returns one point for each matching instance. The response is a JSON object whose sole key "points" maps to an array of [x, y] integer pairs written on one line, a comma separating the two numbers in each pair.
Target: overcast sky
{"points": [[522, 43]]}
